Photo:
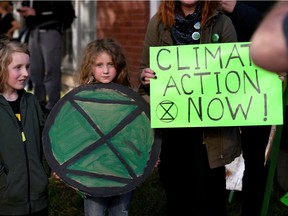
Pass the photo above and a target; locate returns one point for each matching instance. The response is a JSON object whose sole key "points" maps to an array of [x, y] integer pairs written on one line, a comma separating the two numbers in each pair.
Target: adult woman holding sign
{"points": [[192, 160]]}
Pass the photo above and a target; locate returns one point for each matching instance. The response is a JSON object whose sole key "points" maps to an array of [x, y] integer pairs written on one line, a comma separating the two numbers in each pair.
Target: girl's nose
{"points": [[106, 69], [25, 72]]}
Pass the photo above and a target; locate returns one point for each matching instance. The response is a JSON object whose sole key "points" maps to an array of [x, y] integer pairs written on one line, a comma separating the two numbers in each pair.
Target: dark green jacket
{"points": [[23, 180], [223, 144]]}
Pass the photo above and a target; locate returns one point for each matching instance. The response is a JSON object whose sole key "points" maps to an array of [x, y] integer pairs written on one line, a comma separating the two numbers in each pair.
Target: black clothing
{"points": [[285, 27], [254, 142], [184, 162], [5, 23], [23, 174], [246, 17], [49, 14]]}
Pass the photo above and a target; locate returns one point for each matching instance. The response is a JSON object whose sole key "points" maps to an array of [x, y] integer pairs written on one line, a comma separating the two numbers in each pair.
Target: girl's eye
{"points": [[100, 65]]}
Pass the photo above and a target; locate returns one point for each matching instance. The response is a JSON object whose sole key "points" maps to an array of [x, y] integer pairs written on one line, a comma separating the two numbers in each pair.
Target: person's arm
{"points": [[269, 43], [15, 25]]}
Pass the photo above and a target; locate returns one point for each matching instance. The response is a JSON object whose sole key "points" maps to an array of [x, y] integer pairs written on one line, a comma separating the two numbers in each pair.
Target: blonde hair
{"points": [[90, 53], [167, 9], [7, 48]]}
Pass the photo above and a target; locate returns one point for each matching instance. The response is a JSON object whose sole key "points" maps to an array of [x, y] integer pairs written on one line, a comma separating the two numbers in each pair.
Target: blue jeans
{"points": [[115, 205]]}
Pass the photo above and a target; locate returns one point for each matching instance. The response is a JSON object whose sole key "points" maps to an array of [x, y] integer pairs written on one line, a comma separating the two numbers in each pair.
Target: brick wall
{"points": [[126, 21]]}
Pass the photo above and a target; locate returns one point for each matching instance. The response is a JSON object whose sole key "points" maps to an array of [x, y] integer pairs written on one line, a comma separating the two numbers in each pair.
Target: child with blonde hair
{"points": [[23, 176]]}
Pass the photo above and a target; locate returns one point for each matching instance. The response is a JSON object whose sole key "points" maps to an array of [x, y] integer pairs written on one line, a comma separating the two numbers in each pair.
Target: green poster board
{"points": [[212, 85]]}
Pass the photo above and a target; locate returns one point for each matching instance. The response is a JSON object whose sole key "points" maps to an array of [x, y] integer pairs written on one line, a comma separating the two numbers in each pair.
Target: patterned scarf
{"points": [[187, 29]]}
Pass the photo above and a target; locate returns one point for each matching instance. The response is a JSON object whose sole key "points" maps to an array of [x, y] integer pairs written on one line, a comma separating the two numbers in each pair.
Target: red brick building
{"points": [[126, 21]]}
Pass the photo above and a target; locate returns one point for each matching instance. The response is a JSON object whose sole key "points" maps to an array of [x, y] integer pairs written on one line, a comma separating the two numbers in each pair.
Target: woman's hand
{"points": [[282, 76], [146, 75]]}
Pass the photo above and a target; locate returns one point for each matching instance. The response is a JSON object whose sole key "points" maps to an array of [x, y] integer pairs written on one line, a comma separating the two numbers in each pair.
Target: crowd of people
{"points": [[190, 169]]}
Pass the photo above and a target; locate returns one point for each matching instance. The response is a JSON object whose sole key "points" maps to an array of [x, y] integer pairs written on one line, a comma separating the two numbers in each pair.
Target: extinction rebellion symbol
{"points": [[98, 139], [167, 111]]}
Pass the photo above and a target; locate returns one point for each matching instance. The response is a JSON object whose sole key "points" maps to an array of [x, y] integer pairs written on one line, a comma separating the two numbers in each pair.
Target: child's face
{"points": [[17, 71], [104, 71]]}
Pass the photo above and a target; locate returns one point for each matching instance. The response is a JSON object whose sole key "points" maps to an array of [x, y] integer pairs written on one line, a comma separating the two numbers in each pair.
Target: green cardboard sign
{"points": [[212, 85], [98, 139]]}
